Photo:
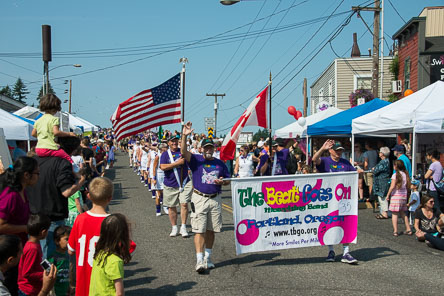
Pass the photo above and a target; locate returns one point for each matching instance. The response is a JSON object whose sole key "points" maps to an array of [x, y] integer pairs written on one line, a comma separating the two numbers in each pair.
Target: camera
{"points": [[46, 265]]}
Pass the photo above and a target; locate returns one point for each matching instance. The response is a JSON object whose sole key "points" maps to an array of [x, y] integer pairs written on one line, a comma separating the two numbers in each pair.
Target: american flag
{"points": [[149, 108]]}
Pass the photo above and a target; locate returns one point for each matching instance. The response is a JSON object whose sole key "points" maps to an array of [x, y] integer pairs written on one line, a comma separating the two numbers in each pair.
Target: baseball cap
{"points": [[274, 143], [172, 138], [337, 146], [154, 144], [416, 182], [100, 141], [280, 142], [399, 148], [206, 142]]}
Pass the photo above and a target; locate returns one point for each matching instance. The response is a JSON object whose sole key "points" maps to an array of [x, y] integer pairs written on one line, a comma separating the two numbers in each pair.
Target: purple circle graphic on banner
{"points": [[246, 234], [338, 232]]}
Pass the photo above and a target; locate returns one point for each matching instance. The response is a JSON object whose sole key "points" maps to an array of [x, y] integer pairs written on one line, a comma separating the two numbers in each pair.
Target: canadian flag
{"points": [[256, 115]]}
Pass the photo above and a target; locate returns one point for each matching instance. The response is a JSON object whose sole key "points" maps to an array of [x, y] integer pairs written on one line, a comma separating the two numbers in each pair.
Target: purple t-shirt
{"points": [[436, 168], [14, 211], [170, 177], [281, 165], [329, 165], [262, 160], [206, 171]]}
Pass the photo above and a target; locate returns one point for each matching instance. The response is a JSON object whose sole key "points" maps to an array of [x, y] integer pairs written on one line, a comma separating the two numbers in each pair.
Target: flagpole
{"points": [[269, 115], [183, 60]]}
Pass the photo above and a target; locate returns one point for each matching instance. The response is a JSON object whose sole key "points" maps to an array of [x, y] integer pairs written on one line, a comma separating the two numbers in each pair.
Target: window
{"points": [[330, 92], [363, 81], [407, 64], [321, 94]]}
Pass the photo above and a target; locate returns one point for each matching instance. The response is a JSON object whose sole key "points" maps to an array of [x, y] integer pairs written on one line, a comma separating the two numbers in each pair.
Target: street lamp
{"points": [[229, 2], [46, 83]]}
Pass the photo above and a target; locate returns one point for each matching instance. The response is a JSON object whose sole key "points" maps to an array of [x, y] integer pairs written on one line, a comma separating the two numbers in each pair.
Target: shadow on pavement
{"points": [[248, 259], [164, 290]]}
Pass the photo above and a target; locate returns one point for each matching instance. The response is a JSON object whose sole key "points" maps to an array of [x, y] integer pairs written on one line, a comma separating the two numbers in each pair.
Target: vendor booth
{"points": [[401, 116], [15, 128], [29, 112]]}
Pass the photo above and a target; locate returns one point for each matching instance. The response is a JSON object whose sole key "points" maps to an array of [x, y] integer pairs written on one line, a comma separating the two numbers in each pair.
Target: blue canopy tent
{"points": [[341, 123]]}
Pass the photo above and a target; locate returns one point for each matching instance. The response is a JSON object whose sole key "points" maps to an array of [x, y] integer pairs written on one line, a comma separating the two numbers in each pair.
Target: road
{"points": [[163, 265]]}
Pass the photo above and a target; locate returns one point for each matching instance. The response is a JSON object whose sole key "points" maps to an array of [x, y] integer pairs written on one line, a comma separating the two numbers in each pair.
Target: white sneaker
{"points": [[158, 214], [208, 264], [184, 232], [146, 185], [165, 209], [200, 266], [174, 232]]}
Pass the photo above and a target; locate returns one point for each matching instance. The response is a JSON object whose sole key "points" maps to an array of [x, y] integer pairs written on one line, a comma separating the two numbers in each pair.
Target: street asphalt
{"points": [[163, 265]]}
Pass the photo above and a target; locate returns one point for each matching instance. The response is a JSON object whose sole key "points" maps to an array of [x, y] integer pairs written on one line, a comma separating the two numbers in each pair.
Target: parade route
{"points": [[162, 265]]}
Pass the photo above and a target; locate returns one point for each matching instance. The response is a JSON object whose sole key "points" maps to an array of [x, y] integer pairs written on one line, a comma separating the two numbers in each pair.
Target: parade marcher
{"points": [[177, 187], [151, 157], [144, 148], [263, 169], [131, 143], [206, 203], [244, 163], [277, 164], [158, 178], [434, 175], [334, 163], [135, 157]]}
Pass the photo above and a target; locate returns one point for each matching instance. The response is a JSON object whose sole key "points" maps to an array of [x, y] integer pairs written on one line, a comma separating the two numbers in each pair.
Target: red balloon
{"points": [[291, 110], [298, 114]]}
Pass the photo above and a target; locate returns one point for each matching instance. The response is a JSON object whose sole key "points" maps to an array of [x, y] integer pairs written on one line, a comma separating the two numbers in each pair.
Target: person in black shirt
{"points": [[56, 184]]}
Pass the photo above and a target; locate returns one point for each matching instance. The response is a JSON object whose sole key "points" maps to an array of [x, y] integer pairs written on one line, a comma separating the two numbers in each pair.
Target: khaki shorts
{"points": [[207, 214], [368, 178], [172, 196]]}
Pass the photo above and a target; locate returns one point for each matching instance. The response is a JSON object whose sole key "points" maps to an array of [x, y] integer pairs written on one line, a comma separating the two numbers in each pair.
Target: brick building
{"points": [[420, 49]]}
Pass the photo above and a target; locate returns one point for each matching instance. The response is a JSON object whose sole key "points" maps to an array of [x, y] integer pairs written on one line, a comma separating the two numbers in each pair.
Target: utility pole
{"points": [[70, 88], [375, 54], [215, 110], [304, 92]]}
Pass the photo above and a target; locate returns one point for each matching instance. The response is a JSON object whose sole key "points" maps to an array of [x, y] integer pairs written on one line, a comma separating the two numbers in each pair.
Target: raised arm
{"points": [[187, 130], [317, 157]]}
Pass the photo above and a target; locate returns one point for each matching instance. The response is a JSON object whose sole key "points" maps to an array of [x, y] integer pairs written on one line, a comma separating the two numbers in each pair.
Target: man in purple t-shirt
{"points": [[177, 187], [206, 203], [334, 163]]}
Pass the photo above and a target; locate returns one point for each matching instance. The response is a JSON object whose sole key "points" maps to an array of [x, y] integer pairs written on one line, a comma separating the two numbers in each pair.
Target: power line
{"points": [[394, 8]]}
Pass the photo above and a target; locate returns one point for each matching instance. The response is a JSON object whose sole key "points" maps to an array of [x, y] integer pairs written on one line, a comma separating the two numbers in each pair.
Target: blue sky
{"points": [[239, 68]]}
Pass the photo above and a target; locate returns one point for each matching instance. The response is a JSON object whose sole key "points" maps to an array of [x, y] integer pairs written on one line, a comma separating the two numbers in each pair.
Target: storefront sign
{"points": [[436, 68], [282, 212]]}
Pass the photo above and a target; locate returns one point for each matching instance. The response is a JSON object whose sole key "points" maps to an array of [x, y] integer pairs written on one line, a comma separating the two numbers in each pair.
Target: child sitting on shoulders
{"points": [[47, 127], [60, 259], [30, 273]]}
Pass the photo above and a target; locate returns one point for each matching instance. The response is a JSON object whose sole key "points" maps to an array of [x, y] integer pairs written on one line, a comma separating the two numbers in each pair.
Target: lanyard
{"points": [[176, 173]]}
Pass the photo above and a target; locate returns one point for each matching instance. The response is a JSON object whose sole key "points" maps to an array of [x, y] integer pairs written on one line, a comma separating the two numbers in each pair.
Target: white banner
{"points": [[282, 212]]}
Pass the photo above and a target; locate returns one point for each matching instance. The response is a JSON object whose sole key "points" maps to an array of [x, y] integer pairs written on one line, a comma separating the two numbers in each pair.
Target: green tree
{"points": [[20, 91], [260, 133], [7, 92], [50, 91]]}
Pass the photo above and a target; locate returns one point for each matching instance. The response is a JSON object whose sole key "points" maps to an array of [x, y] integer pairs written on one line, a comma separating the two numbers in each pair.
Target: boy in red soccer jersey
{"points": [[86, 231]]}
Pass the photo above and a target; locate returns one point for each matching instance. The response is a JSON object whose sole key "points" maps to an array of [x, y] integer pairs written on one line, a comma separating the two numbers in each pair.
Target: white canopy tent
{"points": [[76, 122], [14, 128], [28, 112], [295, 129], [431, 123], [401, 116]]}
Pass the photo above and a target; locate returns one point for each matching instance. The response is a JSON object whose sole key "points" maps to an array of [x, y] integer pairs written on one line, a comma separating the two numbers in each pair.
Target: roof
{"points": [[433, 45], [408, 24]]}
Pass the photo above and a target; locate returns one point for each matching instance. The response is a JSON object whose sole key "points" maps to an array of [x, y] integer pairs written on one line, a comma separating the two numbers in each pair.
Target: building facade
{"points": [[342, 77], [420, 49]]}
